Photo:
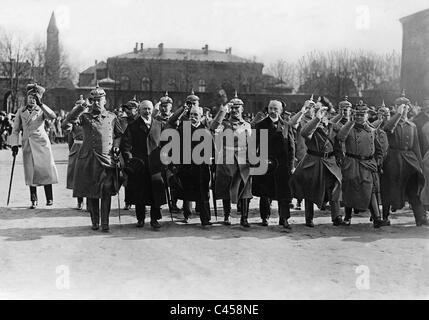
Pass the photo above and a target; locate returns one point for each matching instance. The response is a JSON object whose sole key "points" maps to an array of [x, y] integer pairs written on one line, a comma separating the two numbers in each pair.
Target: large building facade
{"points": [[415, 55]]}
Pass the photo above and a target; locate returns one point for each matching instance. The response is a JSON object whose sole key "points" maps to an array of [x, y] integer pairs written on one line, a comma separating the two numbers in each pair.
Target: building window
{"points": [[202, 86], [171, 84], [145, 84], [125, 83]]}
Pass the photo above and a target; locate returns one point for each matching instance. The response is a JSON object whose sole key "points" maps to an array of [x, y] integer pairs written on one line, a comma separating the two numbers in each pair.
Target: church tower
{"points": [[52, 54]]}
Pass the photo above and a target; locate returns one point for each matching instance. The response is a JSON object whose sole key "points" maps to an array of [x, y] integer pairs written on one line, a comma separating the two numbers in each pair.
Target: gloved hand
{"points": [[14, 151], [38, 99]]}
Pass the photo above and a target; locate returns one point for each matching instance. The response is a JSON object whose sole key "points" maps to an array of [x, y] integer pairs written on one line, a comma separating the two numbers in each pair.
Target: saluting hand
{"points": [[38, 99]]}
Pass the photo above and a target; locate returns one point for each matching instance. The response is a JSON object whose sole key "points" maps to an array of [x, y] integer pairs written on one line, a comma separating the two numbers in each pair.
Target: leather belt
{"points": [[400, 149], [324, 155], [359, 157]]}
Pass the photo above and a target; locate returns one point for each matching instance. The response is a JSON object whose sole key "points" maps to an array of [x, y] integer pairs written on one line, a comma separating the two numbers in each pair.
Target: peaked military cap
{"points": [[192, 97], [34, 88], [97, 92], [166, 99]]}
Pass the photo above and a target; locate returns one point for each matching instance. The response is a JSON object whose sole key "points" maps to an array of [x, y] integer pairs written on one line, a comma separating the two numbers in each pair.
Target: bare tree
{"points": [[283, 71], [15, 65]]}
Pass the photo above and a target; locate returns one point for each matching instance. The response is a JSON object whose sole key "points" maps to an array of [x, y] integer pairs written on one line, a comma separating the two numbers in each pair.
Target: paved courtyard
{"points": [[52, 253]]}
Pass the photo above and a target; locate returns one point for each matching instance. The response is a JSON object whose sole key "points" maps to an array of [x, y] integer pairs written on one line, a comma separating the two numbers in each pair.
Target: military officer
{"points": [[363, 157], [403, 174], [163, 115], [194, 177], [95, 176], [129, 116], [300, 145], [39, 165], [317, 177], [76, 132], [421, 121], [140, 147], [274, 185], [233, 180]]}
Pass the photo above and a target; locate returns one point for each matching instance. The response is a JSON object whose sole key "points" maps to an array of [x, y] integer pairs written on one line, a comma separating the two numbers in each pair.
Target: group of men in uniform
{"points": [[315, 156]]}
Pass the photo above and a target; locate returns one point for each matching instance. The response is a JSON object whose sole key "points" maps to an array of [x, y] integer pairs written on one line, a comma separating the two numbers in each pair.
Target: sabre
{"points": [[213, 183], [11, 176]]}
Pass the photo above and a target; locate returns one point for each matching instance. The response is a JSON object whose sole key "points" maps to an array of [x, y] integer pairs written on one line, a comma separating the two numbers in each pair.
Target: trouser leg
{"points": [[416, 205], [140, 211], [94, 210], [226, 206], [264, 207], [33, 194], [80, 200], [205, 215], [335, 209], [348, 213], [127, 196], [373, 208], [155, 213], [284, 209], [105, 210], [48, 192], [309, 210], [187, 208]]}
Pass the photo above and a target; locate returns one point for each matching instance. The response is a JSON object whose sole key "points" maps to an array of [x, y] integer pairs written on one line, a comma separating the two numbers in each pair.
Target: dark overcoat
{"points": [[360, 176], [403, 161], [145, 186], [309, 178], [194, 178], [281, 151], [94, 173]]}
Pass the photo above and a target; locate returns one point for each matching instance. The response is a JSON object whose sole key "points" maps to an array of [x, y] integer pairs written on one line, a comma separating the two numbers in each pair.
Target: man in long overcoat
{"points": [[96, 175], [317, 177], [421, 121], [233, 180], [130, 114], [363, 156], [140, 147], [274, 185], [403, 173], [194, 178], [76, 133], [39, 165]]}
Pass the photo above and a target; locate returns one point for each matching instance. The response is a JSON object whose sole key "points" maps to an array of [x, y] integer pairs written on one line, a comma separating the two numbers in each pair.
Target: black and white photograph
{"points": [[223, 151]]}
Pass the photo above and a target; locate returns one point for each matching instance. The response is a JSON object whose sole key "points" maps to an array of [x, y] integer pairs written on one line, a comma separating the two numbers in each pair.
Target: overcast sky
{"points": [[267, 29]]}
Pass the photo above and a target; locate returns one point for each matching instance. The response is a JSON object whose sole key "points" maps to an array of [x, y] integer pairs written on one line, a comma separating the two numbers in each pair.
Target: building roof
{"points": [[417, 15], [100, 65], [183, 54]]}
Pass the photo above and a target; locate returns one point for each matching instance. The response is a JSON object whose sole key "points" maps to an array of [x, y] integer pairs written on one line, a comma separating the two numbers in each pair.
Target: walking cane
{"points": [[116, 159], [212, 169], [11, 177]]}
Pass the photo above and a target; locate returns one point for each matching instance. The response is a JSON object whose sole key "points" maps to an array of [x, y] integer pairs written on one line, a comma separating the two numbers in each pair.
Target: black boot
{"points": [[226, 219], [244, 213], [309, 213], [348, 216]]}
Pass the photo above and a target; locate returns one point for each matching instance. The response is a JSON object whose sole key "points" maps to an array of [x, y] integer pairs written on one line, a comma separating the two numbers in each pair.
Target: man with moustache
{"points": [[274, 184], [233, 180], [76, 132], [39, 165], [194, 177], [403, 173], [130, 114], [363, 156], [140, 147], [317, 177], [95, 172]]}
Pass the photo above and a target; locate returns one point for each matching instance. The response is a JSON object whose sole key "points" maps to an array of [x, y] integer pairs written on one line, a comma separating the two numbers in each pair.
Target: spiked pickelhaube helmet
{"points": [[97, 92]]}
